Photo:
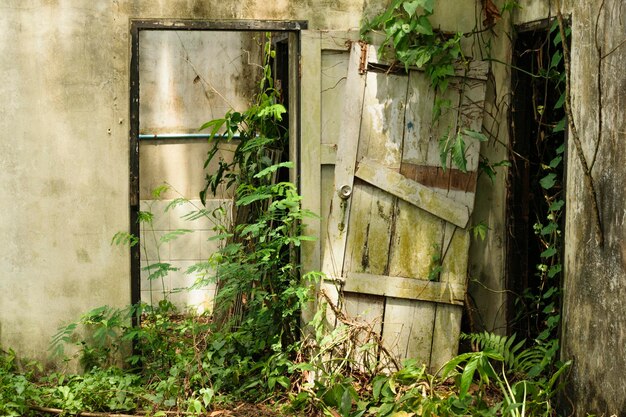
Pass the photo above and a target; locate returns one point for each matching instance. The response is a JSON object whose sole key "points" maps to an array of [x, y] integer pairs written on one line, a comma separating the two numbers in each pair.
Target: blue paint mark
{"points": [[409, 125]]}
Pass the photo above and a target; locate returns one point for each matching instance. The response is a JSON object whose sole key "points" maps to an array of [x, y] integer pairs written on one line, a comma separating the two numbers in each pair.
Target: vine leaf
{"points": [[424, 26], [556, 161], [480, 231], [548, 181], [455, 147], [411, 7], [554, 269], [479, 136], [458, 153], [556, 205], [427, 5], [560, 126]]}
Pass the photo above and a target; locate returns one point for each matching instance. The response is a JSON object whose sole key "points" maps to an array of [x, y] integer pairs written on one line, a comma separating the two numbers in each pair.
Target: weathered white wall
{"points": [[64, 166]]}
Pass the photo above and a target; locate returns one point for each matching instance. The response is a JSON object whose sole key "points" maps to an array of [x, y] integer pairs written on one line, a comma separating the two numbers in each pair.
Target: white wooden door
{"points": [[392, 216]]}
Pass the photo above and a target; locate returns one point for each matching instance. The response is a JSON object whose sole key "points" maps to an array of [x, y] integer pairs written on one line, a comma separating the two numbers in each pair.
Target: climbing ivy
{"points": [[542, 301], [411, 40]]}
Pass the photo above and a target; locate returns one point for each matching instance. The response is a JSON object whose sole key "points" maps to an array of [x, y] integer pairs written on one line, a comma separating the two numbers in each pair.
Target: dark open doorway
{"points": [[536, 181]]}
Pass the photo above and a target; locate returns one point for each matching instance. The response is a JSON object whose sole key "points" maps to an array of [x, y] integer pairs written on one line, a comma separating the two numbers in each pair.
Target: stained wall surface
{"points": [[594, 326], [594, 317]]}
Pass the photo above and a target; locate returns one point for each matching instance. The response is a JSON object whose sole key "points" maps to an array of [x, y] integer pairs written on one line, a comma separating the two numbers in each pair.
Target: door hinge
{"points": [[363, 63]]}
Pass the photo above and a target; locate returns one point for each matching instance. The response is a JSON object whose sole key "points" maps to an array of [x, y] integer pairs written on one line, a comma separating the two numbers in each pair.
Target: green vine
{"points": [[538, 305], [259, 283], [411, 40], [546, 298]]}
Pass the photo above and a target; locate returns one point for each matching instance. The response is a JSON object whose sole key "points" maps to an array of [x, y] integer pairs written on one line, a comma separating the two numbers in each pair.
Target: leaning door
{"points": [[394, 231]]}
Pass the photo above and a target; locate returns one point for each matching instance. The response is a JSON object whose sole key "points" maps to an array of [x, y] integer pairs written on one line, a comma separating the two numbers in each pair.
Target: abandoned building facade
{"points": [[102, 101]]}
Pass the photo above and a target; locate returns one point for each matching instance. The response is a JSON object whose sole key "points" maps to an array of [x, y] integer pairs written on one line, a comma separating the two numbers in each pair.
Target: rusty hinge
{"points": [[363, 63]]}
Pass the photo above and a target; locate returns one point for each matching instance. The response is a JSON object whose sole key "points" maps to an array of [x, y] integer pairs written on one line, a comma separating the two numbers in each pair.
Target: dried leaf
{"points": [[492, 13]]}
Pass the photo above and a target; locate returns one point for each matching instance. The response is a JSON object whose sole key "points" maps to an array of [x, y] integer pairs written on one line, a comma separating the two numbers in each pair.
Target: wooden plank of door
{"points": [[334, 252], [310, 172], [368, 311], [408, 329], [454, 260], [372, 209], [371, 227], [334, 73], [416, 236], [413, 192], [406, 288], [446, 331]]}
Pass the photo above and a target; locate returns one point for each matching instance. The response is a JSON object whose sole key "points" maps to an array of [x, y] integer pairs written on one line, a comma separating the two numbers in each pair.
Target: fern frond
{"points": [[530, 362], [505, 346]]}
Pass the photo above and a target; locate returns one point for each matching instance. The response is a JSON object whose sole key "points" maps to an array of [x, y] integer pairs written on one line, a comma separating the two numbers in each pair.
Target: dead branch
{"points": [[598, 88], [362, 326], [588, 178]]}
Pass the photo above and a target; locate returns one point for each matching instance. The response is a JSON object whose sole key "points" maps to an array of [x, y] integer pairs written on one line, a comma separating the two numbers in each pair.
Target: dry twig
{"points": [[588, 178]]}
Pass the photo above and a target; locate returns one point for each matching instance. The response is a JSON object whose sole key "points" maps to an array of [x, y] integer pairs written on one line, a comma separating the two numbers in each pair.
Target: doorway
{"points": [[536, 181], [183, 74]]}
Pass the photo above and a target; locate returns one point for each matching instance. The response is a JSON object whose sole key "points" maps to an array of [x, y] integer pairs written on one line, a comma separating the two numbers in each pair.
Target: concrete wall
{"points": [[594, 327], [64, 166]]}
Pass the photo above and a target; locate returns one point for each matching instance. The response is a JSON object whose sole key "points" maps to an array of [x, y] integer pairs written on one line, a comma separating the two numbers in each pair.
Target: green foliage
{"points": [[102, 328], [489, 168], [16, 388], [260, 289], [532, 361], [479, 230], [540, 304], [411, 39], [260, 136], [491, 381], [101, 390], [453, 147]]}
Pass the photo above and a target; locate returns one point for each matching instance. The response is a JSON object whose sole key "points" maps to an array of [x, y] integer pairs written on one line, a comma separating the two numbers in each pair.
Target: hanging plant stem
{"points": [[599, 234]]}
